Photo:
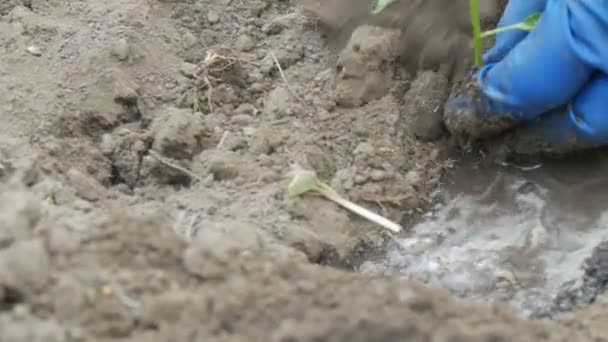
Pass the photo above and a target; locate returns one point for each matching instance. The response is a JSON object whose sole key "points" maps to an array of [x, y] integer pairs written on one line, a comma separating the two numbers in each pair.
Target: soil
{"points": [[143, 149]]}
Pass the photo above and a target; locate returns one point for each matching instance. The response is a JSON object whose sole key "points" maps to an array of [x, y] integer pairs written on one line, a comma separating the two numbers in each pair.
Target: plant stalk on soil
{"points": [[303, 181]]}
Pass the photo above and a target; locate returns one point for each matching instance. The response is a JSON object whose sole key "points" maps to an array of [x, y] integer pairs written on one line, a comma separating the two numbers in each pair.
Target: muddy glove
{"points": [[554, 81]]}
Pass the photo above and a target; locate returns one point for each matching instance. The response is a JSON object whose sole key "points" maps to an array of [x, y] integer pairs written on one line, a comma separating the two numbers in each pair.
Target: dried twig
{"points": [[287, 85], [188, 232], [168, 163]]}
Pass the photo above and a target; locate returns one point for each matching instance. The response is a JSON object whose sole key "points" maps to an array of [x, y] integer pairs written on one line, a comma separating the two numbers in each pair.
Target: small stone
{"points": [[107, 144], [241, 119], [256, 76], [187, 69], [505, 278], [256, 87], [63, 241], [189, 39], [359, 179], [246, 108], [20, 212], [177, 133], [123, 188], [234, 143], [126, 93], [223, 170], [249, 131], [222, 164], [25, 266], [34, 50], [278, 102], [213, 17], [68, 297], [364, 148], [245, 43], [377, 175], [279, 23], [371, 269], [413, 177], [86, 187], [121, 49], [21, 311]]}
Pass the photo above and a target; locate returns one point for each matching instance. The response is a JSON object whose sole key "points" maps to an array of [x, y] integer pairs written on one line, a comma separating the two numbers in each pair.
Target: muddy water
{"points": [[514, 233]]}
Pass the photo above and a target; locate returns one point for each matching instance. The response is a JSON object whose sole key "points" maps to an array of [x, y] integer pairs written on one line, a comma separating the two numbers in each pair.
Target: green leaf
{"points": [[527, 24], [380, 6], [300, 182], [530, 22], [476, 24]]}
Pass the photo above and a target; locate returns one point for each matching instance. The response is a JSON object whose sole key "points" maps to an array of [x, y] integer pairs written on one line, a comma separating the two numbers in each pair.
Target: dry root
{"points": [[210, 70]]}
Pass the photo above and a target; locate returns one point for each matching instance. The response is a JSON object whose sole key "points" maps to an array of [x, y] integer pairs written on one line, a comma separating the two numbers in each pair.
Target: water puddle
{"points": [[513, 234]]}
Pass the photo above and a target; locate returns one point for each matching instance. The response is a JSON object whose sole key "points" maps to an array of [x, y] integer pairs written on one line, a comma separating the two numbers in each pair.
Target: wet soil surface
{"points": [[530, 235], [143, 146]]}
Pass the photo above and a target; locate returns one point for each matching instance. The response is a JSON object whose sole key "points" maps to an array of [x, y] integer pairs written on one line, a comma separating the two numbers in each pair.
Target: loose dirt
{"points": [[143, 145]]}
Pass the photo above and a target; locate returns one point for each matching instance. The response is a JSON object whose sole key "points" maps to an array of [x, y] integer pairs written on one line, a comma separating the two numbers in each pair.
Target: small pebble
{"points": [[213, 17], [85, 185], [246, 108], [249, 131], [121, 49], [235, 143], [245, 43], [413, 177], [377, 175], [107, 144], [256, 88], [241, 119], [189, 39], [364, 148], [359, 179], [34, 51], [187, 69], [256, 76]]}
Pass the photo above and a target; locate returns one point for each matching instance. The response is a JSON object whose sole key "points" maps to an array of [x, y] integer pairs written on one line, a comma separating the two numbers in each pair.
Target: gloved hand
{"points": [[515, 12], [553, 80]]}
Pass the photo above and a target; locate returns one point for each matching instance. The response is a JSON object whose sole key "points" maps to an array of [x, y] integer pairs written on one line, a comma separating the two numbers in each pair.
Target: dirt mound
{"points": [[143, 146], [72, 273]]}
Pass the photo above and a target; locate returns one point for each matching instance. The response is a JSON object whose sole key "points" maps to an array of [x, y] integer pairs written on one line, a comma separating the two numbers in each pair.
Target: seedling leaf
{"points": [[302, 181], [380, 6], [527, 24], [530, 22]]}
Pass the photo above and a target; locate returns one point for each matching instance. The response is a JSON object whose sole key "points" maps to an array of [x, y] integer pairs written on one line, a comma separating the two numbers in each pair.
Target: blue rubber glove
{"points": [[515, 12], [583, 124], [560, 66]]}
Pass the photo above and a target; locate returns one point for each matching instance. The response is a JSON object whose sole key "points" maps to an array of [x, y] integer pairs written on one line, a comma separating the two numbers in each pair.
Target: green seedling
{"points": [[526, 25], [380, 6], [476, 23], [304, 181]]}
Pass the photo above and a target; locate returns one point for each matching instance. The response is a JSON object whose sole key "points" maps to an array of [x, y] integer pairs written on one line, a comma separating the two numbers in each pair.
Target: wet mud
{"points": [[531, 235]]}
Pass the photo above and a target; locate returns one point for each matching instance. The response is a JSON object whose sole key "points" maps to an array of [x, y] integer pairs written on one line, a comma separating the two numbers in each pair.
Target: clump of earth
{"points": [[143, 146]]}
